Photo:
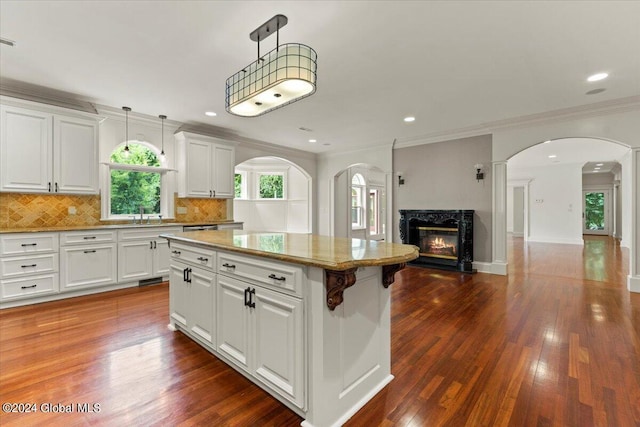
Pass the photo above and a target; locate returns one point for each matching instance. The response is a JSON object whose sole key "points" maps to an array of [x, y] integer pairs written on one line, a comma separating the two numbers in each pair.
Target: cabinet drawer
{"points": [[14, 267], [147, 232], [28, 243], [82, 237], [29, 286], [276, 275], [199, 256]]}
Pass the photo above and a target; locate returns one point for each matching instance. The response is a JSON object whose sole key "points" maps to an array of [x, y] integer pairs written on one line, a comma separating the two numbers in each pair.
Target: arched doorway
{"points": [[272, 194], [360, 203], [558, 190]]}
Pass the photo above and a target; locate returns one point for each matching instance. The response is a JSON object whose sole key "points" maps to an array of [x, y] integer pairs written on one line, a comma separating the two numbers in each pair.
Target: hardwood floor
{"points": [[555, 343]]}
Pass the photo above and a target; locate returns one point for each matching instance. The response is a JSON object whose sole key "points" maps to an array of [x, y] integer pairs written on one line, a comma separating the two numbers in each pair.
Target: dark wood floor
{"points": [[555, 343]]}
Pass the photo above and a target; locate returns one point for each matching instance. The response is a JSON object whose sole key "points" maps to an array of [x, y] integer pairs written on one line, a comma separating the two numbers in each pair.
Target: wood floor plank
{"points": [[554, 343]]}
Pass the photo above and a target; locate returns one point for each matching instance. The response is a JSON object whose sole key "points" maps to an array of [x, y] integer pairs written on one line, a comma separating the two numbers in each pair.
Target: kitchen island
{"points": [[305, 317]]}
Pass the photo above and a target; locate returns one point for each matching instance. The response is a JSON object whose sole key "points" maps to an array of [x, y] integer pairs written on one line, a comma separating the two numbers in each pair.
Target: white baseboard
{"points": [[633, 283], [491, 268], [556, 240]]}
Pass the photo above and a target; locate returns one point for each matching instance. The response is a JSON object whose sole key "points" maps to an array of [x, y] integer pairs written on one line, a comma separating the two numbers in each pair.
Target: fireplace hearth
{"points": [[445, 237]]}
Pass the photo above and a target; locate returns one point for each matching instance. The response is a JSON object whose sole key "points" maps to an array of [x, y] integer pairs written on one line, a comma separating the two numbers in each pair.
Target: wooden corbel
{"points": [[336, 282]]}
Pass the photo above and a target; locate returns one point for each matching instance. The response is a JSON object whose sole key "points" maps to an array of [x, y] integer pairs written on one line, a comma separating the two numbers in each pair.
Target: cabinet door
{"points": [[25, 150], [200, 317], [223, 171], [135, 260], [198, 169], [87, 266], [279, 358], [75, 150], [232, 321], [178, 294], [161, 257]]}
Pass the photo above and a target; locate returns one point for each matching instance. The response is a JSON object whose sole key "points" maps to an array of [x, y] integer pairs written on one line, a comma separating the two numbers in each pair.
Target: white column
{"points": [[633, 281], [499, 219]]}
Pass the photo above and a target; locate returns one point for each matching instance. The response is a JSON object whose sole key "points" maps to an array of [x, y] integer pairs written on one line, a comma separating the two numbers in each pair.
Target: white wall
{"points": [[291, 214], [555, 202]]}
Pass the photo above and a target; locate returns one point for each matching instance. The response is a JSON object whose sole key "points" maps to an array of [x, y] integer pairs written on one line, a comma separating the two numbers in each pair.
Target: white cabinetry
{"points": [[205, 166], [28, 265], [47, 153], [259, 326], [192, 292], [88, 259], [142, 254]]}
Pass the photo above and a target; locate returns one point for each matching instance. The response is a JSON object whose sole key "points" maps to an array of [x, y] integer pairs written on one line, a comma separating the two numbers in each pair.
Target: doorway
{"points": [[596, 212]]}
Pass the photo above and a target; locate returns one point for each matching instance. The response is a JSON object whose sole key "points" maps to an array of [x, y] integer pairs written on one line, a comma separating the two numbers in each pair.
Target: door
{"points": [[518, 211], [161, 257], [178, 294], [278, 342], [135, 260], [232, 321], [596, 212], [75, 156], [198, 168], [25, 150], [376, 213], [223, 171], [201, 285]]}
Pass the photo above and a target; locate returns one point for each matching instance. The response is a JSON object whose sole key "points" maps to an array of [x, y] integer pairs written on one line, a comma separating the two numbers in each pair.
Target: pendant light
{"points": [[163, 157], [282, 76], [126, 153]]}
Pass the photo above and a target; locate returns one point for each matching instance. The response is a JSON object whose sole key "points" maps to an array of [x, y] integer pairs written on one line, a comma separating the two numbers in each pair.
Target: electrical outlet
{"points": [[539, 200]]}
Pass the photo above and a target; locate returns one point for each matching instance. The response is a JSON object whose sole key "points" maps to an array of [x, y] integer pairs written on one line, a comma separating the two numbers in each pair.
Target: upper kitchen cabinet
{"points": [[42, 152], [205, 166]]}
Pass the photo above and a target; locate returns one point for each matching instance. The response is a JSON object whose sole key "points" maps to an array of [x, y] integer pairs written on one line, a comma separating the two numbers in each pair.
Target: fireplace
{"points": [[445, 237]]}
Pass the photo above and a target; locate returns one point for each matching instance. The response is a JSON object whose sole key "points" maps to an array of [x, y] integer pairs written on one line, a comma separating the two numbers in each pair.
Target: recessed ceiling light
{"points": [[597, 77], [552, 156], [210, 114], [596, 169], [599, 164], [409, 119], [313, 140]]}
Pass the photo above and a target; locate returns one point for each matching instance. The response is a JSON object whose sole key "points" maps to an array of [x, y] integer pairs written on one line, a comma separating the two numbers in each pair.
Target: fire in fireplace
{"points": [[444, 237]]}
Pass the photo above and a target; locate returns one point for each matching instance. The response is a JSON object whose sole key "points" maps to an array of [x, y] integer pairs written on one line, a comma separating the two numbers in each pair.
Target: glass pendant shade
{"points": [[284, 75]]}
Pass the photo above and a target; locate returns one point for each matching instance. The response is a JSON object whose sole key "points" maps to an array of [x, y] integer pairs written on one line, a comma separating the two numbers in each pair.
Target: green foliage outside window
{"points": [[271, 187], [594, 211], [131, 189], [238, 185]]}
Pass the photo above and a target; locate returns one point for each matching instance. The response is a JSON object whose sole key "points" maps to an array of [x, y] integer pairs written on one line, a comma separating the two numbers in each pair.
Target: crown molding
{"points": [[43, 95], [117, 114], [604, 108]]}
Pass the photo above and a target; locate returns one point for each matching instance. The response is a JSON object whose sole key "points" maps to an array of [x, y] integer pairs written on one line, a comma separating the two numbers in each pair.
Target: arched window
{"points": [[137, 184], [358, 187]]}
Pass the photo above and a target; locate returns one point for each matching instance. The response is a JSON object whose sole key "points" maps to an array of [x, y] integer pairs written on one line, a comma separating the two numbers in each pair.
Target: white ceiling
{"points": [[451, 64]]}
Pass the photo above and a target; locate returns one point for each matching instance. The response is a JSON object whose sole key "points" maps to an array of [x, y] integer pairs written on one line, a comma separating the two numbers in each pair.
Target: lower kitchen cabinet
{"points": [[87, 266], [142, 254], [261, 331], [192, 300]]}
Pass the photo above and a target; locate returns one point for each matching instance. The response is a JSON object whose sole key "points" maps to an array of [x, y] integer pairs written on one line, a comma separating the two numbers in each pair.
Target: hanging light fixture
{"points": [[126, 153], [163, 157], [282, 76]]}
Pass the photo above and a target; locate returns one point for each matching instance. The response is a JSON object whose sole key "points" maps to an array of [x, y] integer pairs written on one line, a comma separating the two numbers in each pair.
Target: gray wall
{"points": [[441, 176]]}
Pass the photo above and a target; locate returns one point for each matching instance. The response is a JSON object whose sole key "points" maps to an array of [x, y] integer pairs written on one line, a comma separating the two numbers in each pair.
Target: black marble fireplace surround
{"points": [[445, 237]]}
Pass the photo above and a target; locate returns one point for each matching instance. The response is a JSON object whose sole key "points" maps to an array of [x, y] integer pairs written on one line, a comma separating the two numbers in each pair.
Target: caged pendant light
{"points": [[284, 75], [163, 157], [126, 152]]}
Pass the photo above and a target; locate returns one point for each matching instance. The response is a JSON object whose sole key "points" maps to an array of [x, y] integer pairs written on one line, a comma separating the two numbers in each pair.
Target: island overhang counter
{"points": [[305, 317]]}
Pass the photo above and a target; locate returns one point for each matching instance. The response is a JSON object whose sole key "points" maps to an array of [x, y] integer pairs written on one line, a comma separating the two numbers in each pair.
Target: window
{"points": [[240, 184], [271, 186], [133, 182], [357, 201]]}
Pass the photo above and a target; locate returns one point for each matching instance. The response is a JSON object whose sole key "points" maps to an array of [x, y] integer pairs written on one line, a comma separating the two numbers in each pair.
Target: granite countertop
{"points": [[332, 253], [109, 226]]}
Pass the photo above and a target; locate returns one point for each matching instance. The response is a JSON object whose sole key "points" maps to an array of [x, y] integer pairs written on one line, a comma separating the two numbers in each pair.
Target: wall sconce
{"points": [[479, 171], [400, 178]]}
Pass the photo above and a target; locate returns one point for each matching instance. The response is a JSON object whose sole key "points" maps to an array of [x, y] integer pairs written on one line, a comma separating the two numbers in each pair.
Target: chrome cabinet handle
{"points": [[274, 277]]}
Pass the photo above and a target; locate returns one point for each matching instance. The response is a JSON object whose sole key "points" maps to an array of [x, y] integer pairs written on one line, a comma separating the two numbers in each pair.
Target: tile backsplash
{"points": [[19, 210]]}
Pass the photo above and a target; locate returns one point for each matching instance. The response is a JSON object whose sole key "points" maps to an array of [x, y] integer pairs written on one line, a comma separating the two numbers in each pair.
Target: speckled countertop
{"points": [[109, 226], [332, 253]]}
